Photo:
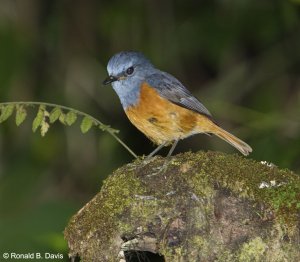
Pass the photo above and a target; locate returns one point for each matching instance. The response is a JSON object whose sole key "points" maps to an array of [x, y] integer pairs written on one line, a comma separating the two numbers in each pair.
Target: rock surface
{"points": [[206, 206]]}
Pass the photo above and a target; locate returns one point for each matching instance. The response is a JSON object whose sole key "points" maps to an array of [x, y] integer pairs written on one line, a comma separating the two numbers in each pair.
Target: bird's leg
{"points": [[156, 150], [167, 161], [165, 165], [172, 148], [147, 160]]}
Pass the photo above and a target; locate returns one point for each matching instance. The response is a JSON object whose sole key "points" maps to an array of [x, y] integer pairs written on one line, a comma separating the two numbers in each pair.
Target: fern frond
{"points": [[86, 124], [20, 114], [70, 118], [62, 118], [6, 112], [65, 115], [39, 118], [55, 114]]}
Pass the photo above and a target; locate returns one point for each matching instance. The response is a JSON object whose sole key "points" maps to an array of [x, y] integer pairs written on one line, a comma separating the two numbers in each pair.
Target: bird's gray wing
{"points": [[170, 88]]}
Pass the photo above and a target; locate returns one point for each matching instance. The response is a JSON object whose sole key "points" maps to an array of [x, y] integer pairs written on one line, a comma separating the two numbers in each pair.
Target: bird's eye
{"points": [[130, 70]]}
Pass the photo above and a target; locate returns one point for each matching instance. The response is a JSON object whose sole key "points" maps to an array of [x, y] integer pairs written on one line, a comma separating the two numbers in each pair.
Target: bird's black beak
{"points": [[109, 80]]}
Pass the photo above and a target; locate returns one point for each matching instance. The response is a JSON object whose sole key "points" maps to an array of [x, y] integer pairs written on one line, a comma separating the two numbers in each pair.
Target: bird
{"points": [[159, 105]]}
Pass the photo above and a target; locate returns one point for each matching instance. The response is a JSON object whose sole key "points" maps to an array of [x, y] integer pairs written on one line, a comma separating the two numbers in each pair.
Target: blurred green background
{"points": [[240, 58]]}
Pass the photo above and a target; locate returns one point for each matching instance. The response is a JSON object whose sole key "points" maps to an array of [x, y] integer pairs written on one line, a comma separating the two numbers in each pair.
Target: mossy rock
{"points": [[207, 206]]}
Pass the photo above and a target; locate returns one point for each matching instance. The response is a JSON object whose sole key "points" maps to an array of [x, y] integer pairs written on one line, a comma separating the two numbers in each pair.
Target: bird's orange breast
{"points": [[163, 121]]}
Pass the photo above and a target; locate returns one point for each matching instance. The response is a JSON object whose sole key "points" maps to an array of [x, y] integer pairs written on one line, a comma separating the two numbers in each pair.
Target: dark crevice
{"points": [[143, 256]]}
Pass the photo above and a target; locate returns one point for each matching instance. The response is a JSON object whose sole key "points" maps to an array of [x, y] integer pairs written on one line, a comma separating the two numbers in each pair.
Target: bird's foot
{"points": [[161, 169], [147, 160]]}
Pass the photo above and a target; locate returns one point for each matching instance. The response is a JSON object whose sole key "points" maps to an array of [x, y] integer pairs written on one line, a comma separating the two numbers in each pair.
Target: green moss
{"points": [[202, 244], [253, 251], [99, 218], [119, 192], [244, 176], [226, 256]]}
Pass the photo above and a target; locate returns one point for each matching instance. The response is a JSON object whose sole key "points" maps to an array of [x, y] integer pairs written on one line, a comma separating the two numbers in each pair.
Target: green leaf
{"points": [[39, 118], [62, 118], [86, 124], [70, 118], [44, 127], [6, 112], [55, 114], [20, 114]]}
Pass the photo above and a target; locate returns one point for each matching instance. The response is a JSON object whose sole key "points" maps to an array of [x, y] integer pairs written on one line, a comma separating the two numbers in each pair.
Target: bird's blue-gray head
{"points": [[127, 70]]}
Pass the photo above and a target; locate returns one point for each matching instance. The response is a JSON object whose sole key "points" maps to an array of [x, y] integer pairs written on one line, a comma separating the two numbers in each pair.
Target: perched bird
{"points": [[159, 105]]}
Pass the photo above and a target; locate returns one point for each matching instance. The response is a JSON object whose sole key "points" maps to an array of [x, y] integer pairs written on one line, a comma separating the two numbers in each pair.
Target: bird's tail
{"points": [[240, 145]]}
